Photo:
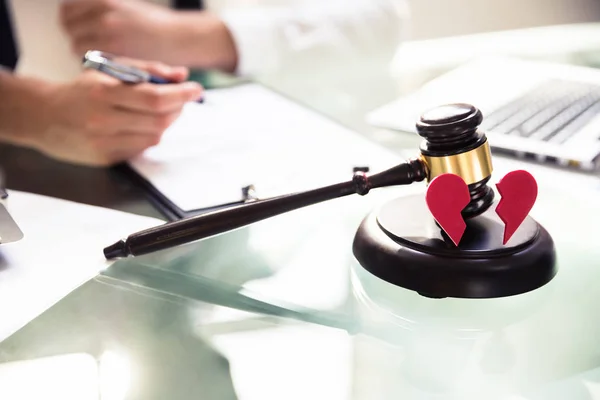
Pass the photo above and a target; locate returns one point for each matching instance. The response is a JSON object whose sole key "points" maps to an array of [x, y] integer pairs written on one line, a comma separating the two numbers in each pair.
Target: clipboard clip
{"points": [[249, 194]]}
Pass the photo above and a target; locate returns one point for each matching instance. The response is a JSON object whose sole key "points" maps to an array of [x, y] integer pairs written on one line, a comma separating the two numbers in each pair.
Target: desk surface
{"points": [[269, 312]]}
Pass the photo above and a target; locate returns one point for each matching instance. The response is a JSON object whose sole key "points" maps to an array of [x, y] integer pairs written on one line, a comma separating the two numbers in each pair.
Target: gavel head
{"points": [[453, 144]]}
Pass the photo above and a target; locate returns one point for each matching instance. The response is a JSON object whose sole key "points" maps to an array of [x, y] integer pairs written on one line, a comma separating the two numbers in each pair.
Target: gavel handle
{"points": [[213, 223]]}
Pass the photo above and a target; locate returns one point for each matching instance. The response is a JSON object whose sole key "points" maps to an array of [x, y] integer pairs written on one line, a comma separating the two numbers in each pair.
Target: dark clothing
{"points": [[187, 4], [8, 48]]}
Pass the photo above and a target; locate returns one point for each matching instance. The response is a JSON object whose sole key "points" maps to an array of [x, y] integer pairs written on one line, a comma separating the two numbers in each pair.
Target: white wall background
{"points": [[435, 18]]}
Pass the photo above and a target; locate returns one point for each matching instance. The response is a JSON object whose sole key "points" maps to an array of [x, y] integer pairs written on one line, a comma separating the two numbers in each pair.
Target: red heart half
{"points": [[446, 197], [518, 190]]}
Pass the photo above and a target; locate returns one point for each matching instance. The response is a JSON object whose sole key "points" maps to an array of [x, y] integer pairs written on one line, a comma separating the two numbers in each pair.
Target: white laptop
{"points": [[547, 112]]}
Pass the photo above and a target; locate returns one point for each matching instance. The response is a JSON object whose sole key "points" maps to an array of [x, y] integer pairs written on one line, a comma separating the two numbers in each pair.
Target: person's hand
{"points": [[133, 28], [146, 31], [98, 120]]}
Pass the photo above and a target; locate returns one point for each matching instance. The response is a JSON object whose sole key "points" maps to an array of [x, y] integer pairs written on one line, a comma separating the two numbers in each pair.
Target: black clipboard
{"points": [[172, 212], [166, 207], [210, 80]]}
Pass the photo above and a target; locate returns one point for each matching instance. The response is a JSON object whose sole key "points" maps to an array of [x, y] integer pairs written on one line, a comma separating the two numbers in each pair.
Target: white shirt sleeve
{"points": [[269, 37]]}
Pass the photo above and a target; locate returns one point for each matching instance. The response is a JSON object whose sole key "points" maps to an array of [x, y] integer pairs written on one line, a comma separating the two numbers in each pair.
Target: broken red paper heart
{"points": [[448, 194], [518, 191], [446, 197]]}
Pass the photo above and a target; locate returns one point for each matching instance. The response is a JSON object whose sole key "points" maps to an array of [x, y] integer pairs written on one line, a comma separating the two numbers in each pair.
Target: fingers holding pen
{"points": [[155, 99], [148, 108], [98, 120], [143, 107]]}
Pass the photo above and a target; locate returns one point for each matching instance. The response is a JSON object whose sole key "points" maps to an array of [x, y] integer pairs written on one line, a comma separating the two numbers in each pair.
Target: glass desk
{"points": [[281, 310]]}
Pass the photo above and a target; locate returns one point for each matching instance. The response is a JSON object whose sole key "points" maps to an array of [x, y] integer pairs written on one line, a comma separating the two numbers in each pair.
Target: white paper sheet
{"points": [[61, 249], [246, 135]]}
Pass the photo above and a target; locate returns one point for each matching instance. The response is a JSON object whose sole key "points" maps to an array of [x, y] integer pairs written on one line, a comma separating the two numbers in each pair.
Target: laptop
{"points": [[541, 111]]}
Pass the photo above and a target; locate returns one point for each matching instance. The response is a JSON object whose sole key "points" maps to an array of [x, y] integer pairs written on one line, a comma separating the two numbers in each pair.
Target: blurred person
{"points": [[237, 36], [243, 37], [91, 118]]}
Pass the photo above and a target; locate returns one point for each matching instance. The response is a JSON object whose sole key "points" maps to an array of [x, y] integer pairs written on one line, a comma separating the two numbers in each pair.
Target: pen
{"points": [[106, 63]]}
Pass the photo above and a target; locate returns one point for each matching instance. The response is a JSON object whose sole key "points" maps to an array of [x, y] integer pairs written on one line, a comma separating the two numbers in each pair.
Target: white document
{"points": [[61, 249], [250, 135]]}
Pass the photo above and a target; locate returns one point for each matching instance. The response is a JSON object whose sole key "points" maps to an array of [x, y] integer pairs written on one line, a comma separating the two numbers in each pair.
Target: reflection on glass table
{"points": [[281, 310]]}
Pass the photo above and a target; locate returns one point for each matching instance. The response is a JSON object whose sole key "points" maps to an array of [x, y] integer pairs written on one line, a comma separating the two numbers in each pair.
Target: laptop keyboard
{"points": [[551, 112]]}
